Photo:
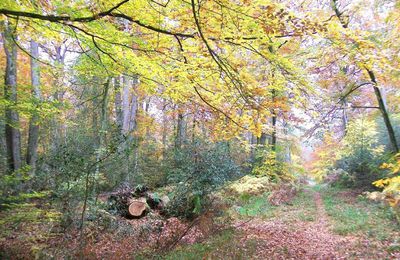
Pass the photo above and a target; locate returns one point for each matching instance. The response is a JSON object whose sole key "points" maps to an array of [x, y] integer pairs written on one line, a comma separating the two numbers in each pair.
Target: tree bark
{"points": [[12, 133], [33, 136]]}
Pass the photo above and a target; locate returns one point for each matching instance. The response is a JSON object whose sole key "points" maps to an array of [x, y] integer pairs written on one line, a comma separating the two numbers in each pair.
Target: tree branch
{"points": [[60, 18]]}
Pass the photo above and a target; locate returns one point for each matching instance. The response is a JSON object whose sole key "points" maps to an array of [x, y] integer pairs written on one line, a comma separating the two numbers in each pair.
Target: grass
{"points": [[301, 208], [358, 216], [255, 206], [347, 219]]}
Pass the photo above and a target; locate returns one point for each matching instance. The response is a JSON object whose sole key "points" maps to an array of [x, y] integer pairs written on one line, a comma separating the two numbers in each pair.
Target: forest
{"points": [[200, 129]]}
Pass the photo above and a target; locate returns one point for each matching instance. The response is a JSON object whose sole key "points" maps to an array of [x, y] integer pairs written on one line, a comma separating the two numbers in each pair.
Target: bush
{"points": [[390, 186], [64, 169], [200, 169], [250, 185]]}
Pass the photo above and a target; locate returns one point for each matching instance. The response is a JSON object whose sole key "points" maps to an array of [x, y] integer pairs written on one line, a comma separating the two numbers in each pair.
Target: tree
{"points": [[33, 138], [382, 107], [13, 136]]}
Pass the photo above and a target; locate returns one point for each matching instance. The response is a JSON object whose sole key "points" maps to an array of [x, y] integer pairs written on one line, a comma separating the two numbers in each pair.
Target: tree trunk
{"points": [[274, 117], [118, 103], [273, 135], [253, 142], [344, 117], [262, 140], [194, 123], [58, 133], [13, 136], [129, 124], [385, 114], [164, 129], [33, 137], [129, 105], [180, 132], [103, 123], [102, 134], [146, 110], [288, 155]]}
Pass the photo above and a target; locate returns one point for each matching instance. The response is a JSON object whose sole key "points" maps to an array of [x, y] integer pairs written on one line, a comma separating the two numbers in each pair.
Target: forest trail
{"points": [[279, 239]]}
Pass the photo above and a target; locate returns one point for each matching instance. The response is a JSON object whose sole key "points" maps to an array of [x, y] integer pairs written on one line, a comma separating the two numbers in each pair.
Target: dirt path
{"points": [[276, 239]]}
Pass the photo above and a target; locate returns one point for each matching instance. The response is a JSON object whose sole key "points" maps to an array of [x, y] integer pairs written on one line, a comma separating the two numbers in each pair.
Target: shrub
{"points": [[251, 185], [200, 169], [390, 186]]}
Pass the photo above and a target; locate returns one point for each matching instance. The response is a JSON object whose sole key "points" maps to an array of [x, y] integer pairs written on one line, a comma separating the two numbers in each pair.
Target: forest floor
{"points": [[316, 224]]}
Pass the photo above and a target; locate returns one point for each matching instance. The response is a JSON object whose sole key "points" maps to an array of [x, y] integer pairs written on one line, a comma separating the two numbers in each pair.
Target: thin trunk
{"points": [[288, 154], [180, 131], [273, 135], [133, 113], [118, 103], [385, 114], [57, 133], [262, 140], [344, 117], [146, 110], [102, 135], [253, 142], [125, 104], [33, 137], [194, 122], [273, 122], [179, 135], [164, 129], [103, 124], [134, 108], [129, 105], [13, 136]]}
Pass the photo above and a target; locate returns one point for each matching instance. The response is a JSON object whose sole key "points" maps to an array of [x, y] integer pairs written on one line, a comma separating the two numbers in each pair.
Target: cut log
{"points": [[137, 208]]}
